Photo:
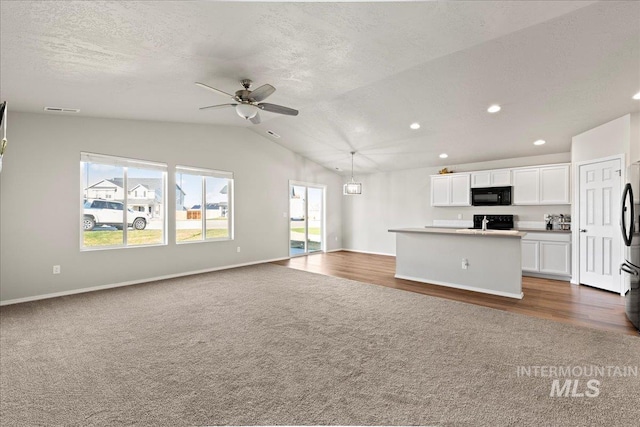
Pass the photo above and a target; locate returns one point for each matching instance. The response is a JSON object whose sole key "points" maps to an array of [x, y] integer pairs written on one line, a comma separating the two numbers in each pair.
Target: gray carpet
{"points": [[272, 345]]}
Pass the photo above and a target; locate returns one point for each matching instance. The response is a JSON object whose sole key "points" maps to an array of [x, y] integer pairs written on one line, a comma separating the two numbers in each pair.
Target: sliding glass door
{"points": [[306, 213]]}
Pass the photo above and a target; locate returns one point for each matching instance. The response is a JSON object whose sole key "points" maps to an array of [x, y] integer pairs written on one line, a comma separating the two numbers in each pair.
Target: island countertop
{"points": [[461, 232]]}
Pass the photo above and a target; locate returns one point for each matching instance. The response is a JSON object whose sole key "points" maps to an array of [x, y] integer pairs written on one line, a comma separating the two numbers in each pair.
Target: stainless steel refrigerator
{"points": [[630, 227]]}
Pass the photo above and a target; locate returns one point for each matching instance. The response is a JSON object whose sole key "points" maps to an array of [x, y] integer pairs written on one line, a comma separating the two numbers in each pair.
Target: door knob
{"points": [[583, 230]]}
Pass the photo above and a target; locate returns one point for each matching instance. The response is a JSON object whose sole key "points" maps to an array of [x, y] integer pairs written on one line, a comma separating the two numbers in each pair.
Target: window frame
{"points": [[125, 163], [203, 174]]}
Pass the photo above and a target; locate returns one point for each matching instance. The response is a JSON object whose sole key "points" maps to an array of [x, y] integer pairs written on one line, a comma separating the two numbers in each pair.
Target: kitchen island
{"points": [[482, 261]]}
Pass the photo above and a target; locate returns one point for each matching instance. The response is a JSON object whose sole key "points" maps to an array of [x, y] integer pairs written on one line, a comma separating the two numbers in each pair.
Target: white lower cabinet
{"points": [[547, 253], [530, 255]]}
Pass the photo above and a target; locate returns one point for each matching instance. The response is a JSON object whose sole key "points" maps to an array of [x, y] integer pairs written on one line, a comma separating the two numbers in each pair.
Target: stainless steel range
{"points": [[495, 222]]}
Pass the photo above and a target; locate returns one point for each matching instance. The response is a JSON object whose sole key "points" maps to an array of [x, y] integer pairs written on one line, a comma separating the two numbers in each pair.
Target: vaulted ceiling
{"points": [[360, 73]]}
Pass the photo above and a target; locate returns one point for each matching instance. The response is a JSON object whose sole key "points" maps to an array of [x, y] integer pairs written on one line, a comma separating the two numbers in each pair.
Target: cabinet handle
{"points": [[583, 230]]}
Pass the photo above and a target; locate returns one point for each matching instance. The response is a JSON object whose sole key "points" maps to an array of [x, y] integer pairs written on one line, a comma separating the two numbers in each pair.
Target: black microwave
{"points": [[491, 196]]}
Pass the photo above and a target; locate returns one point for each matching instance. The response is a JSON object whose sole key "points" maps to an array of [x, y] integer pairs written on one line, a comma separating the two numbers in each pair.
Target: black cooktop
{"points": [[496, 222]]}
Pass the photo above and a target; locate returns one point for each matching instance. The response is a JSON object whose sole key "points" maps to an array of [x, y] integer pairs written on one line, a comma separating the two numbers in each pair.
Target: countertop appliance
{"points": [[628, 226], [491, 196], [496, 222]]}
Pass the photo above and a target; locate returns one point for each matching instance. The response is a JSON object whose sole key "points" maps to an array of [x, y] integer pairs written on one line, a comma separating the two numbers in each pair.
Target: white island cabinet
{"points": [[488, 262]]}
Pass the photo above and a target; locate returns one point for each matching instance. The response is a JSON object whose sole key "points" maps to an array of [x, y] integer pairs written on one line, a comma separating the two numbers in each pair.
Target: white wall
{"points": [[609, 139], [402, 199], [39, 203], [635, 138], [619, 136]]}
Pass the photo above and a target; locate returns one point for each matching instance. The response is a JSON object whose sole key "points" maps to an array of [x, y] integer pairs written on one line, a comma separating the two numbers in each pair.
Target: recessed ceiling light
{"points": [[540, 142], [415, 126], [494, 108], [444, 155], [637, 96]]}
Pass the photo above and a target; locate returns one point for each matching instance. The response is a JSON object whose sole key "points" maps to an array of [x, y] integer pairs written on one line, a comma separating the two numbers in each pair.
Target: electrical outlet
{"points": [[284, 215], [56, 269], [238, 249], [465, 263]]}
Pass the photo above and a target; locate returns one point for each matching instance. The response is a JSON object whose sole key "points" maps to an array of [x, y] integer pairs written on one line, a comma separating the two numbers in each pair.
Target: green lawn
{"points": [[145, 237], [193, 235]]}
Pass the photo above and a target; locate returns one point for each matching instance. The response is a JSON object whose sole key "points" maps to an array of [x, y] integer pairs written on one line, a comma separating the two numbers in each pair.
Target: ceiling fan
{"points": [[248, 102]]}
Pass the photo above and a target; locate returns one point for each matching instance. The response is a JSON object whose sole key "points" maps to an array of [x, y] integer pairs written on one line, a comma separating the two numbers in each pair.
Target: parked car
{"points": [[99, 212]]}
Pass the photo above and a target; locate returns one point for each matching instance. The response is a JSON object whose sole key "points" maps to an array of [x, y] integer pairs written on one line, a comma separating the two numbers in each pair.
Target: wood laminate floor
{"points": [[543, 298]]}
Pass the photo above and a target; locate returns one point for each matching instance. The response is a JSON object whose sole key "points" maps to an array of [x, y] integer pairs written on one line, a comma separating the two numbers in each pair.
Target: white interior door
{"points": [[598, 225]]}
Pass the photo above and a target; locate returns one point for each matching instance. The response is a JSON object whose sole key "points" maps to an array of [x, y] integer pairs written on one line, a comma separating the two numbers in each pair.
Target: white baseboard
{"points": [[368, 252], [547, 276], [464, 287], [133, 282], [336, 250]]}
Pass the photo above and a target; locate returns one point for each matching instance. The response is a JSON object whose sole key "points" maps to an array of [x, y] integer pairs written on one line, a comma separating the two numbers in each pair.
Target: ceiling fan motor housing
{"points": [[242, 95]]}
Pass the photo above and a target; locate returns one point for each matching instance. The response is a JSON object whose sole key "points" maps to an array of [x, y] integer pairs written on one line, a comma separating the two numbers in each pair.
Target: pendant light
{"points": [[352, 187]]}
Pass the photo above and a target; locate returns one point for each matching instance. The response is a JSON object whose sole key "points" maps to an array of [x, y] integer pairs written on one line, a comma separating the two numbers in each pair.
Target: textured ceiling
{"points": [[359, 73]]}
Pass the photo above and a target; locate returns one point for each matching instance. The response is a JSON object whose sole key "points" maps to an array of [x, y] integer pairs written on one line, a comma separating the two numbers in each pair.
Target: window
{"points": [[204, 205], [111, 217]]}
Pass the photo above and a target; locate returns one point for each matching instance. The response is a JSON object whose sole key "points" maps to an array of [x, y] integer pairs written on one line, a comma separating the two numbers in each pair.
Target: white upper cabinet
{"points": [[554, 185], [501, 178], [526, 186], [440, 193], [451, 190], [542, 185], [532, 185], [491, 178], [461, 190], [481, 179]]}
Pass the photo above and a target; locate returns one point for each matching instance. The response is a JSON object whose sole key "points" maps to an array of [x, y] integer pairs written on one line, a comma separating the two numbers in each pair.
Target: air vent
{"points": [[273, 134], [62, 110]]}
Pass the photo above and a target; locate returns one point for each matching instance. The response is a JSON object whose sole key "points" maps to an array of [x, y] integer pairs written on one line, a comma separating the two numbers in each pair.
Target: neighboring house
{"points": [[145, 194], [105, 189]]}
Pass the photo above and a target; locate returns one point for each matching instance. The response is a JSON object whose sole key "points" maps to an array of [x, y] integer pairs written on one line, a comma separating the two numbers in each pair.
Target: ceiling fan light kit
{"points": [[248, 102], [246, 111], [352, 187]]}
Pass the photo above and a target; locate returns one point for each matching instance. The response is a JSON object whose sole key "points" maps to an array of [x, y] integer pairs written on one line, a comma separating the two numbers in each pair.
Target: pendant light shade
{"points": [[352, 187]]}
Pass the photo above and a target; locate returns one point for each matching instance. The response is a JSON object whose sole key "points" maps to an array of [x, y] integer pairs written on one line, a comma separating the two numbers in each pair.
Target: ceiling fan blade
{"points": [[213, 89], [255, 119], [261, 93], [273, 108], [217, 106]]}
